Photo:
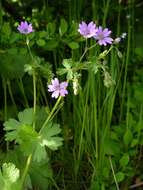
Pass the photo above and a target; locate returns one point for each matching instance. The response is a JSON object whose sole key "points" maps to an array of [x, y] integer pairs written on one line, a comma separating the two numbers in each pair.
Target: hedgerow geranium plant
{"points": [[35, 132]]}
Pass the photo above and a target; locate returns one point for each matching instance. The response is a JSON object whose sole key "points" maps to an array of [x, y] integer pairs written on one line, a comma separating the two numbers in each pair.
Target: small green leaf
{"points": [[61, 71], [63, 27], [49, 138], [41, 42], [67, 63], [51, 27], [120, 176], [11, 127], [73, 45], [42, 34], [124, 160], [128, 137], [111, 147], [26, 116], [134, 142]]}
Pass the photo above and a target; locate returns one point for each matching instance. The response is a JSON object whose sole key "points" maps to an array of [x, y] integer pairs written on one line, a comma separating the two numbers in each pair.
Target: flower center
{"points": [[57, 87], [25, 30], [101, 36]]}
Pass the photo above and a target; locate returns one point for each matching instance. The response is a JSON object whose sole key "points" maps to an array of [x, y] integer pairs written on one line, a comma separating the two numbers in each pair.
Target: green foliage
{"points": [[6, 31], [51, 27], [30, 141], [111, 147], [26, 117], [12, 63], [40, 174], [120, 176], [49, 136], [9, 176], [128, 137], [63, 27], [73, 45], [124, 160]]}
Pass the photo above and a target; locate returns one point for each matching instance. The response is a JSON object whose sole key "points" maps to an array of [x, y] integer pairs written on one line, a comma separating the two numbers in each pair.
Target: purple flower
{"points": [[25, 28], [58, 89], [103, 36], [87, 30]]}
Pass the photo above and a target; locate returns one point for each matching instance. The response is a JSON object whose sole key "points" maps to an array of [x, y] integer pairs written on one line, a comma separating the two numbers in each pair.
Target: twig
{"points": [[136, 185]]}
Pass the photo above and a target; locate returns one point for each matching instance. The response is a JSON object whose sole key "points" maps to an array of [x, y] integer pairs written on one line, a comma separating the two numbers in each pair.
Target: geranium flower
{"points": [[25, 28], [87, 30], [57, 88], [103, 36]]}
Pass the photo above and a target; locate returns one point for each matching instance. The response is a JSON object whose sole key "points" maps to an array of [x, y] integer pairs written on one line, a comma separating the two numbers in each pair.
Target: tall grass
{"points": [[93, 109]]}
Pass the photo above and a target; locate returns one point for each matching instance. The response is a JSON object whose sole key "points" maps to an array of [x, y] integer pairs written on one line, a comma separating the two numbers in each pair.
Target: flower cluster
{"points": [[98, 33]]}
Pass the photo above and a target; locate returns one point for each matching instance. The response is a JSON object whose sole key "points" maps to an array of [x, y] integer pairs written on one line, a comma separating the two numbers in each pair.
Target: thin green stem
{"points": [[95, 123], [26, 169], [43, 92], [20, 83], [11, 95], [34, 96], [27, 43], [34, 110], [51, 113], [113, 172], [106, 9], [83, 124], [34, 83], [125, 74], [86, 50]]}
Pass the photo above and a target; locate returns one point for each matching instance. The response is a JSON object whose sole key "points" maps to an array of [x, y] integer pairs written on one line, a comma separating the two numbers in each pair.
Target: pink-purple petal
{"points": [[55, 94]]}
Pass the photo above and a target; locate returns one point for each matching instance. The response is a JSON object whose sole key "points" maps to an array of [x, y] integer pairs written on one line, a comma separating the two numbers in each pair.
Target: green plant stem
{"points": [[113, 172], [83, 124], [125, 74], [106, 10], [95, 122], [11, 95], [51, 113], [34, 110], [34, 96], [85, 51], [34, 83], [43, 92], [26, 169], [20, 82]]}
